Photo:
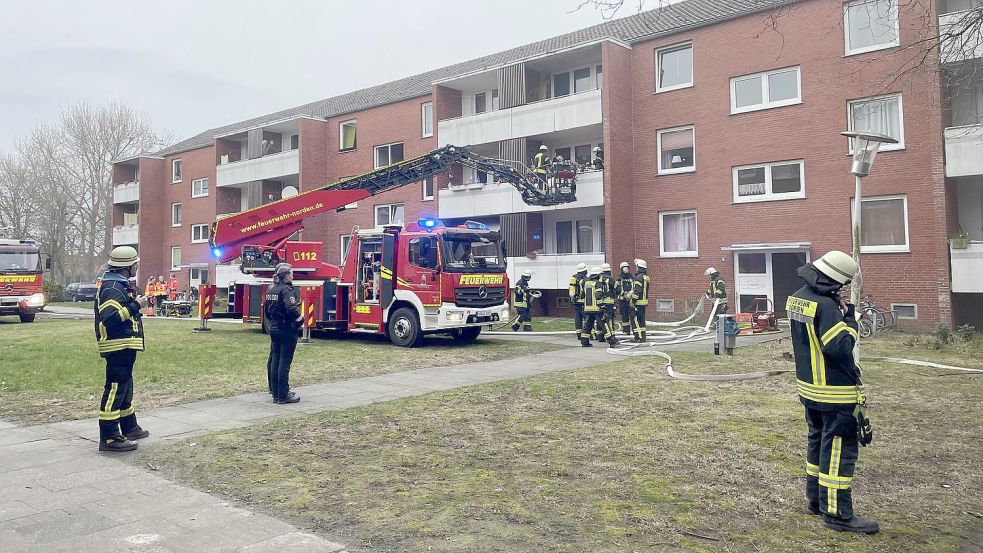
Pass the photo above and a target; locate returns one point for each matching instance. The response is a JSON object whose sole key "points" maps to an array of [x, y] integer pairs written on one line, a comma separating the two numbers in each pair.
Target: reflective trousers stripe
{"points": [[834, 471]]}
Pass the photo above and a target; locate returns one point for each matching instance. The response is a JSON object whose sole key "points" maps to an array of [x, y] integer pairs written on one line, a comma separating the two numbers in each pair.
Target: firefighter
{"points": [[622, 287], [576, 283], [639, 299], [716, 291], [522, 296], [281, 310], [172, 287], [541, 164], [824, 331], [598, 162], [591, 294], [160, 294], [607, 306], [119, 336]]}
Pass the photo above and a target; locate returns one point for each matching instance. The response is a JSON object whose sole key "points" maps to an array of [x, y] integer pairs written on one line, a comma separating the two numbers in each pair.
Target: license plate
{"points": [[484, 313]]}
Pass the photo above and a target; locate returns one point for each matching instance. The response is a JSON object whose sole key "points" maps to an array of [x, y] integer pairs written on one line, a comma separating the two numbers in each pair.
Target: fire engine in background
{"points": [[400, 282], [20, 279]]}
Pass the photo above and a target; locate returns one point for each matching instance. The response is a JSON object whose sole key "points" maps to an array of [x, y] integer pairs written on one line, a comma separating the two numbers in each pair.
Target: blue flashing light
{"points": [[475, 225], [428, 223], [217, 252]]}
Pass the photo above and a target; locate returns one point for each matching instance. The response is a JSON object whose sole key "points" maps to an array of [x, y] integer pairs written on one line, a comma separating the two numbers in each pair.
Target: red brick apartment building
{"points": [[721, 141]]}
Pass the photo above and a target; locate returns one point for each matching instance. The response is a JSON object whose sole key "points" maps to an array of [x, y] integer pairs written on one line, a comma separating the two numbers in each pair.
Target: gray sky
{"points": [[191, 64]]}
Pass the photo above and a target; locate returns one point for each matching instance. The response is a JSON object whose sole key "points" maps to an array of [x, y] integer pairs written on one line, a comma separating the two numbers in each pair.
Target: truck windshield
{"points": [[472, 253], [15, 261]]}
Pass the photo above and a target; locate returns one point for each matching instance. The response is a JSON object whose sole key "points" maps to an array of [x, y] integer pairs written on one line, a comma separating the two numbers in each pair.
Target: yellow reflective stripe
{"points": [[845, 391], [815, 353], [107, 409], [126, 412], [836, 330], [834, 471], [835, 482], [109, 415], [811, 469], [102, 332], [124, 313], [107, 346]]}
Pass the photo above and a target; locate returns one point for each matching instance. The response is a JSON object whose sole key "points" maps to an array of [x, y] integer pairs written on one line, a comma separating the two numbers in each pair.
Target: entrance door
{"points": [[420, 270], [753, 280], [768, 274]]}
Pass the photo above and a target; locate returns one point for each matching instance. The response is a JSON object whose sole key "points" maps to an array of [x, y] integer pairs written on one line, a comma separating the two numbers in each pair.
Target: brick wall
{"points": [[152, 171]]}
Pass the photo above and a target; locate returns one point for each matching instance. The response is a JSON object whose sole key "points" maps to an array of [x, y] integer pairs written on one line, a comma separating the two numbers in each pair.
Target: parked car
{"points": [[80, 291]]}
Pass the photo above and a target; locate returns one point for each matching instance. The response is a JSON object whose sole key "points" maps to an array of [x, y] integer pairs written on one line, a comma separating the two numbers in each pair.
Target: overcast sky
{"points": [[191, 65]]}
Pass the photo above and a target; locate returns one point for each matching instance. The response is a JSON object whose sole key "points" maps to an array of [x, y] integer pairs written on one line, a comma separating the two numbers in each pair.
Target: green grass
{"points": [[50, 370], [612, 458]]}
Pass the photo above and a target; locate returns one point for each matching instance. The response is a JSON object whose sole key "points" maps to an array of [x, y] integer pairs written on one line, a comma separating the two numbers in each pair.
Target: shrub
{"points": [[52, 290], [966, 332]]}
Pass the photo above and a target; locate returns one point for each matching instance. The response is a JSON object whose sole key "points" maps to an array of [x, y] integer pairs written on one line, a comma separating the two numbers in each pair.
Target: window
{"points": [[561, 84], [870, 25], [585, 236], [883, 224], [294, 141], [563, 152], [388, 154], [598, 76], [677, 150], [346, 242], [674, 67], [428, 188], [495, 101], [600, 227], [176, 170], [582, 81], [175, 257], [770, 181], [677, 232], [665, 306], [175, 214], [881, 115], [427, 115], [582, 154], [563, 302], [480, 103], [199, 188], [347, 135], [389, 214], [564, 237], [905, 310], [197, 276], [423, 252], [773, 89], [199, 233]]}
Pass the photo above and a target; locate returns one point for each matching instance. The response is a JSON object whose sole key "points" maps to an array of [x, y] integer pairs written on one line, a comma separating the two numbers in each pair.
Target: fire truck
{"points": [[20, 279], [401, 282]]}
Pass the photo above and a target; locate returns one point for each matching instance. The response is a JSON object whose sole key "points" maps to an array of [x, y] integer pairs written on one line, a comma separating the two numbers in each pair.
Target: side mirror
{"points": [[47, 263]]}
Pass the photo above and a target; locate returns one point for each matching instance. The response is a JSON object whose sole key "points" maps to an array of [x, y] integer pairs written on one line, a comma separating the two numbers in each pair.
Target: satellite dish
{"points": [[288, 191]]}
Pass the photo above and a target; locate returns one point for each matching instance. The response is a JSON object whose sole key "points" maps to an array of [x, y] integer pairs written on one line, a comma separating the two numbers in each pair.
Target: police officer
{"points": [[522, 296], [119, 336], [591, 294], [824, 331], [716, 291], [576, 283], [541, 164], [639, 299], [622, 287], [607, 306], [281, 311]]}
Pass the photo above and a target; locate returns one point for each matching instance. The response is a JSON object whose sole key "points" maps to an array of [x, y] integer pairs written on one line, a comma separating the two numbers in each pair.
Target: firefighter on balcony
{"points": [[824, 331], [522, 296], [591, 294], [623, 286], [574, 289], [119, 335], [716, 291], [541, 164], [639, 300], [607, 305]]}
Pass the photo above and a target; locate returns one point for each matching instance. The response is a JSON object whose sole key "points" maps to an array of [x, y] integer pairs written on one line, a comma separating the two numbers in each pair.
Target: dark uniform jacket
{"points": [[576, 285], [591, 294], [281, 310], [522, 293], [607, 288], [718, 290], [822, 338], [640, 289], [118, 323], [624, 285]]}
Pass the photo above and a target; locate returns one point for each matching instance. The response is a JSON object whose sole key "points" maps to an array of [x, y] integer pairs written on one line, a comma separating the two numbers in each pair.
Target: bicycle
{"points": [[873, 320]]}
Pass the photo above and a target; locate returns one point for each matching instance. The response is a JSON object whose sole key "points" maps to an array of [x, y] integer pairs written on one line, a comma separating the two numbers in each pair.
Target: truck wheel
{"points": [[468, 334], [404, 328], [27, 317]]}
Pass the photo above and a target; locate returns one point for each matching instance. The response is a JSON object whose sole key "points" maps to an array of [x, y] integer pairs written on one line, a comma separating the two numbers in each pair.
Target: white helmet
{"points": [[581, 267], [641, 264], [597, 149], [624, 265], [594, 271], [710, 271], [606, 268], [837, 266], [123, 256], [527, 273], [543, 147]]}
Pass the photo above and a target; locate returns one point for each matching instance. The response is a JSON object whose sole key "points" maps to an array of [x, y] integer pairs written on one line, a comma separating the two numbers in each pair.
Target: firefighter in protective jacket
{"points": [[281, 312], [119, 335], [574, 289], [716, 291], [639, 299], [591, 294], [824, 331], [623, 286], [522, 297], [607, 306]]}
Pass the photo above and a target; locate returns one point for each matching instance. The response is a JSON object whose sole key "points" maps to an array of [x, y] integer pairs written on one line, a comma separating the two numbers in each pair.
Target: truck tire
{"points": [[469, 334], [27, 317], [404, 328]]}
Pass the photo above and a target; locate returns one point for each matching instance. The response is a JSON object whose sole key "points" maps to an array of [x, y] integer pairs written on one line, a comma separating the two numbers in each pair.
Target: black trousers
{"points": [[116, 415], [638, 322], [591, 325], [282, 347], [831, 459], [625, 309], [578, 319], [606, 328], [525, 318]]}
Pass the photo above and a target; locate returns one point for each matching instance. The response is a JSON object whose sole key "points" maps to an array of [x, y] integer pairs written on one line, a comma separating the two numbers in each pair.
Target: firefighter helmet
{"points": [[606, 267], [641, 264], [543, 147], [527, 273], [837, 266], [624, 265], [581, 267], [710, 271], [594, 271], [123, 256]]}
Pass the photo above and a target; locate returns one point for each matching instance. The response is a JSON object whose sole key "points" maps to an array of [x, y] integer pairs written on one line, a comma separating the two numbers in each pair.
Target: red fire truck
{"points": [[400, 282], [20, 279]]}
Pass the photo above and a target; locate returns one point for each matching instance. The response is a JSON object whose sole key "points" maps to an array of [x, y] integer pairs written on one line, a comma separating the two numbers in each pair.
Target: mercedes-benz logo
{"points": [[10, 288], [483, 292]]}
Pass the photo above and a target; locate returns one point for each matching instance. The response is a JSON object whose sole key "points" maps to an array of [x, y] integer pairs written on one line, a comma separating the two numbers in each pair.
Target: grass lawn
{"points": [[50, 369], [614, 458]]}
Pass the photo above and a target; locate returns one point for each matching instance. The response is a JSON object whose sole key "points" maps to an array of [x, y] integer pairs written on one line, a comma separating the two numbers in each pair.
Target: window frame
{"points": [[769, 196], [662, 235], [883, 46], [660, 302], [180, 214], [375, 154], [658, 152], [344, 248], [423, 120], [658, 63], [914, 307], [375, 214], [765, 91], [884, 147], [341, 135], [177, 170], [906, 248], [423, 185], [204, 237], [178, 266], [199, 195]]}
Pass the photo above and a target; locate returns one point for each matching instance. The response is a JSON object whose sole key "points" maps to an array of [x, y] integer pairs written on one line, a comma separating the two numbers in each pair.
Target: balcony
{"points": [[127, 192], [268, 167], [968, 36], [964, 151], [497, 198], [537, 118], [967, 266], [552, 271], [126, 235]]}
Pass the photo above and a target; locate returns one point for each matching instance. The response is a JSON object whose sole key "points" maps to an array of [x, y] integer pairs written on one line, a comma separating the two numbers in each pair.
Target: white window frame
{"points": [[766, 102], [768, 196], [662, 236], [670, 171], [341, 135], [344, 247], [423, 119], [177, 170], [884, 147], [375, 214], [173, 266], [914, 306], [876, 47], [658, 63], [375, 153], [906, 247], [204, 235], [423, 185], [177, 209], [194, 182], [660, 306]]}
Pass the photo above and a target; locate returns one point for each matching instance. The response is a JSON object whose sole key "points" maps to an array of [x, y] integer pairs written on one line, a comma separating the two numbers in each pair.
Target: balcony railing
{"points": [[967, 36], [268, 167], [127, 235], [964, 151], [967, 266], [126, 193], [552, 271], [497, 198]]}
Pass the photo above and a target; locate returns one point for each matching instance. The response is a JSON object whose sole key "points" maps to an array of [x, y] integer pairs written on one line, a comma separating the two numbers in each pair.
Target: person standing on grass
{"points": [[160, 294], [281, 311], [150, 292], [119, 336]]}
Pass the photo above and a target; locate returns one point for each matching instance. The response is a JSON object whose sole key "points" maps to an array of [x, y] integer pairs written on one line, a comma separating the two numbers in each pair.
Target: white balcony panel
{"points": [[262, 168], [964, 151], [537, 118], [551, 272], [499, 198], [968, 36], [125, 236], [126, 193], [967, 266]]}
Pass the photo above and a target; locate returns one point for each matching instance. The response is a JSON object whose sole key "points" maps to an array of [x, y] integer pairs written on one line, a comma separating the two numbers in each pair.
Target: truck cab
{"points": [[21, 279]]}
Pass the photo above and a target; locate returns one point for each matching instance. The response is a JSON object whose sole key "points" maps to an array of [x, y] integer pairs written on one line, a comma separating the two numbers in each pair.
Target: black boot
{"points": [[855, 523], [812, 508], [117, 444], [515, 328], [291, 398], [137, 433], [586, 344], [613, 342]]}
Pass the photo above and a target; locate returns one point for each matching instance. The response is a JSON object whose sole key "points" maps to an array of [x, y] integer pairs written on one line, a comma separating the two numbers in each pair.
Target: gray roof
{"points": [[666, 20]]}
